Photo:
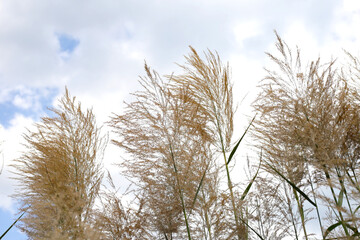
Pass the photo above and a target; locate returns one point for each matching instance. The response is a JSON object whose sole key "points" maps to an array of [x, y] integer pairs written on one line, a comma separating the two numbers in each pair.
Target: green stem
{"points": [[180, 193], [227, 173], [352, 169], [327, 175], [352, 181], [291, 212], [301, 210], [341, 181], [260, 222], [166, 238], [7, 230], [317, 209], [206, 217]]}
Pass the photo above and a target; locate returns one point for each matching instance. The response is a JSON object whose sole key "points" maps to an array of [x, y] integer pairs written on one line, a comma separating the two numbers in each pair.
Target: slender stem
{"points": [[180, 193], [184, 211], [206, 217], [327, 175], [228, 176], [352, 181], [291, 212], [317, 209], [245, 234], [260, 222], [301, 210], [7, 230], [341, 181], [352, 169]]}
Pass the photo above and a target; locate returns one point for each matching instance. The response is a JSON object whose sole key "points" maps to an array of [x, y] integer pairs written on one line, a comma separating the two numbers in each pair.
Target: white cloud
{"points": [[351, 5], [345, 33], [246, 30], [298, 34], [25, 100], [11, 145], [22, 102], [4, 95]]}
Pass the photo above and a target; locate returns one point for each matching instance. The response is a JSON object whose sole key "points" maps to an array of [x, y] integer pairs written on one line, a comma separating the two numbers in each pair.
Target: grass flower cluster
{"points": [[177, 135]]}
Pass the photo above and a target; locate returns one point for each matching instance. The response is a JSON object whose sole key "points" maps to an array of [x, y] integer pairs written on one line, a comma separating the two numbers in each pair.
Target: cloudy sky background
{"points": [[97, 49]]}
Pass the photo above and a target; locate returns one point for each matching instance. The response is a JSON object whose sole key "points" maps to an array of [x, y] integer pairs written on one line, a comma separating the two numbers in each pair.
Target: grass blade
{"points": [[251, 182], [201, 181], [238, 143], [332, 227], [340, 223], [341, 197], [292, 184], [11, 226], [358, 207]]}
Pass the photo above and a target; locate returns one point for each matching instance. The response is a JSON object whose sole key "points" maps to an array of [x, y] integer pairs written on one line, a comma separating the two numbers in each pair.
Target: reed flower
{"points": [[59, 174], [309, 122]]}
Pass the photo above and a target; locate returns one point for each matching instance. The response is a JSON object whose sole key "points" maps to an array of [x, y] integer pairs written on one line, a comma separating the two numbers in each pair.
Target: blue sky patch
{"points": [[28, 102], [67, 43]]}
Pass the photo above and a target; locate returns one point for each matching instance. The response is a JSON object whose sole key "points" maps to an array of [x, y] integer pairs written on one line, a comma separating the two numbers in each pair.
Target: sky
{"points": [[98, 49]]}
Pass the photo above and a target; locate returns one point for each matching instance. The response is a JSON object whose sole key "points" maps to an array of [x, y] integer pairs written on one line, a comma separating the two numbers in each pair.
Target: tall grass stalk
{"points": [[180, 193], [207, 223], [228, 175], [327, 175], [315, 200], [301, 211], [291, 212]]}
